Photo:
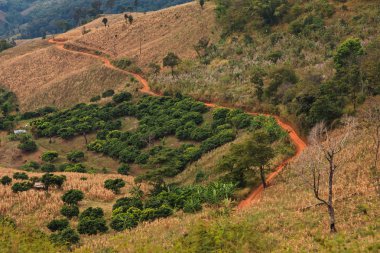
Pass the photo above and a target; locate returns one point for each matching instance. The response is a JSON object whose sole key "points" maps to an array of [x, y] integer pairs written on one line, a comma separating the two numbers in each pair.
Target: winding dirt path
{"points": [[255, 195]]}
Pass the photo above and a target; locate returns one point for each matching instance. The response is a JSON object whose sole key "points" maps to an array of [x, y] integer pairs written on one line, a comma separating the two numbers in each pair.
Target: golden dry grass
{"points": [[36, 208], [175, 29]]}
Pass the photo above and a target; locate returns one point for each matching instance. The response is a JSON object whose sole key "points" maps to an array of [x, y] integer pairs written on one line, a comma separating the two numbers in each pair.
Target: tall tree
{"points": [[171, 60]]}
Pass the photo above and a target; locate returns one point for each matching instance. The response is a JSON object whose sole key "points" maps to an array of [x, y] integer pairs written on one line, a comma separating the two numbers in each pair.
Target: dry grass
{"points": [[36, 208], [175, 29]]}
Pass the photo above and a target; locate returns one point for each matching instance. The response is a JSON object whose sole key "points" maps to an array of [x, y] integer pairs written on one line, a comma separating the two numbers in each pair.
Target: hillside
{"points": [[61, 78], [212, 126], [34, 18]]}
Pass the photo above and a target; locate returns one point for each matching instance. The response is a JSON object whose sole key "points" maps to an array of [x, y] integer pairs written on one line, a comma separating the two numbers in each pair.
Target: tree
{"points": [[21, 187], [114, 185], [254, 153], [105, 21], [67, 236], [155, 68], [171, 60], [5, 180], [84, 128], [92, 221], [28, 146], [75, 156], [49, 156], [124, 169], [72, 197], [52, 180], [48, 167], [130, 19], [318, 174], [347, 59], [122, 97], [20, 176], [70, 211], [202, 3], [58, 225]]}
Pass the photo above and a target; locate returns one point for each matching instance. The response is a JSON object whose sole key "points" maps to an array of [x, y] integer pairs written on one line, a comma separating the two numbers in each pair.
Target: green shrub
{"points": [[122, 97], [92, 222], [58, 225], [20, 176], [75, 156], [114, 185], [66, 133], [78, 168], [67, 236], [192, 205], [124, 169], [70, 211], [53, 180], [48, 167], [108, 93], [49, 156], [127, 220], [72, 197], [95, 99], [127, 203], [28, 146], [5, 180], [21, 187]]}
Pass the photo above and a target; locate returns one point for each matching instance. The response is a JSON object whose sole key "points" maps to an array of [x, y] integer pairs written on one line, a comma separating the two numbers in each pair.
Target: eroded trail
{"points": [[255, 195]]}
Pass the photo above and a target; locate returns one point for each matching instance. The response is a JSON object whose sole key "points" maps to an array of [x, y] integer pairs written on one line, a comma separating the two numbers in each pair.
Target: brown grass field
{"points": [[175, 29], [36, 208]]}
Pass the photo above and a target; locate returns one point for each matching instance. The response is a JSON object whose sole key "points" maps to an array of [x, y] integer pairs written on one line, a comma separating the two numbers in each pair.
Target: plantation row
{"points": [[158, 117]]}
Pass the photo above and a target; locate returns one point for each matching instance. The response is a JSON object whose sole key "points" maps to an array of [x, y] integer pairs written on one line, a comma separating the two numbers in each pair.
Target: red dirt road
{"points": [[255, 195]]}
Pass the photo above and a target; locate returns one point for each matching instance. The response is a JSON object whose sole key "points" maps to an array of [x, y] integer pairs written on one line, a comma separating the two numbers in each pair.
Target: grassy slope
{"points": [[175, 29]]}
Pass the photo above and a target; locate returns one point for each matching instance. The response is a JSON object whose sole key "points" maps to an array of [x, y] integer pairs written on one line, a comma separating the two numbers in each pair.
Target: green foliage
{"points": [[5, 180], [75, 156], [48, 167], [53, 180], [67, 237], [77, 168], [95, 99], [114, 185], [21, 187], [72, 197], [70, 211], [171, 60], [92, 221], [124, 169], [20, 176], [28, 146], [32, 165], [58, 225], [4, 45], [49, 156], [108, 93], [122, 97], [347, 53]]}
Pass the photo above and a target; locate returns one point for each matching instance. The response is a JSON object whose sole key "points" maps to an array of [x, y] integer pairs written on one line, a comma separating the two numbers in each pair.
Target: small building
{"points": [[20, 131], [39, 186]]}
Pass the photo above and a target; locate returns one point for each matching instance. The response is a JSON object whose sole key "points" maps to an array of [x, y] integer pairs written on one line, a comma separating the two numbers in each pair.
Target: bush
{"points": [[48, 167], [51, 180], [75, 156], [114, 185], [124, 169], [66, 133], [121, 97], [72, 197], [32, 165], [67, 236], [21, 187], [70, 211], [78, 168], [95, 99], [192, 205], [5, 180], [91, 221], [20, 176], [127, 220], [127, 203], [58, 225], [108, 93], [28, 146], [49, 156]]}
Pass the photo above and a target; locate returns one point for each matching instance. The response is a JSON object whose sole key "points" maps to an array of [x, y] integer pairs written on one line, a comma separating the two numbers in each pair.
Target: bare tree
{"points": [[325, 148]]}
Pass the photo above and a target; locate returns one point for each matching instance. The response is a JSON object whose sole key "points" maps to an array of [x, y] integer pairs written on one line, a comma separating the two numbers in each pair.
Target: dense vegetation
{"points": [[34, 18], [309, 61], [158, 118]]}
